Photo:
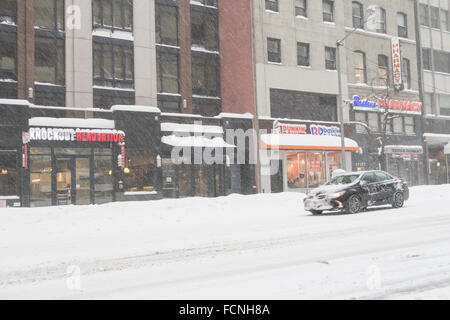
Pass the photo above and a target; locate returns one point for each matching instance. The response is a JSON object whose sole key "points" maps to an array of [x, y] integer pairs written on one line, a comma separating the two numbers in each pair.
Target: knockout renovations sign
{"points": [[394, 106], [78, 135]]}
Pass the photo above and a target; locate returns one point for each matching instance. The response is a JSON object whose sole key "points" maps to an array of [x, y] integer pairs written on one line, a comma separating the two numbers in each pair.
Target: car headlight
{"points": [[336, 195]]}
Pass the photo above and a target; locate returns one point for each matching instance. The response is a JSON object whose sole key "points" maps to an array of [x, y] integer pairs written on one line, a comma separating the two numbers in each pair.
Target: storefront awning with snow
{"points": [[306, 142]]}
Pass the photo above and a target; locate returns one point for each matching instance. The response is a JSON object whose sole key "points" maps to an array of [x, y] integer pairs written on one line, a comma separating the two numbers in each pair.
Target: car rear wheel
{"points": [[398, 200], [353, 204], [316, 212]]}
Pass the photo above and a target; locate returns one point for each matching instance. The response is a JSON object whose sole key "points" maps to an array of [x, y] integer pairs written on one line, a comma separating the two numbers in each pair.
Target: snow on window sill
{"points": [[203, 49], [302, 17], [271, 11], [328, 23], [167, 46], [114, 88], [198, 3], [304, 67], [275, 63], [116, 34]]}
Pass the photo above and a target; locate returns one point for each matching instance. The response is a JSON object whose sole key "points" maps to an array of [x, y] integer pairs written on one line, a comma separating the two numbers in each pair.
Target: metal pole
{"points": [[340, 104]]}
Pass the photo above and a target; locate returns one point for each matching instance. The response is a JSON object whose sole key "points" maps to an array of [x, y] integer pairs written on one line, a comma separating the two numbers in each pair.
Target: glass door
{"points": [[82, 181], [64, 168], [73, 180]]}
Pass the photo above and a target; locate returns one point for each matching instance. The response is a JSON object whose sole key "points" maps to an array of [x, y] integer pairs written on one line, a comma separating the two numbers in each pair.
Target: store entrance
{"points": [[73, 180]]}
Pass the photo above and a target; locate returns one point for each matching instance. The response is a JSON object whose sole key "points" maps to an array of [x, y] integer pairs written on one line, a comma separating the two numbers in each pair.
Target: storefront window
{"points": [[103, 176], [8, 173], [316, 175], [333, 163], [140, 171], [40, 178], [296, 170]]}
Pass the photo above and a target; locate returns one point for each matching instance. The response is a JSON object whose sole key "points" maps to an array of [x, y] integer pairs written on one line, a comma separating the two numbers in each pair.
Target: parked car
{"points": [[355, 191]]}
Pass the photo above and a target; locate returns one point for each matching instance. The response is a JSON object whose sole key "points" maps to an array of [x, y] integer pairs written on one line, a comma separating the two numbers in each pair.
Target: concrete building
{"points": [[435, 41]]}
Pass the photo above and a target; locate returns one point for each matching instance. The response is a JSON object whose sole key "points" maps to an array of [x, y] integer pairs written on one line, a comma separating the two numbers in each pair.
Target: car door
{"points": [[371, 187], [386, 186]]}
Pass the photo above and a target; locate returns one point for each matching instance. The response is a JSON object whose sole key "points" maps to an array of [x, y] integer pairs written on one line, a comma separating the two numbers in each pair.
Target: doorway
{"points": [[73, 180]]}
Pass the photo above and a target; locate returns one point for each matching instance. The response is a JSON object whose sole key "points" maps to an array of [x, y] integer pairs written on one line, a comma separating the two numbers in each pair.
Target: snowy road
{"points": [[254, 247]]}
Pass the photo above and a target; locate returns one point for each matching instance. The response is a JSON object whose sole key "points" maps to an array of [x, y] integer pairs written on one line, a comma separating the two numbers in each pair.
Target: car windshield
{"points": [[344, 179]]}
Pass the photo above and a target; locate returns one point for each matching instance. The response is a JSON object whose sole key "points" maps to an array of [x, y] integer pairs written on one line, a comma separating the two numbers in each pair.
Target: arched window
{"points": [[360, 67], [402, 24], [358, 15]]}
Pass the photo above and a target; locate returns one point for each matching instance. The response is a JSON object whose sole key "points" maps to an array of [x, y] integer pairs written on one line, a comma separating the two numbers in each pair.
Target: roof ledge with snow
{"points": [[306, 142]]}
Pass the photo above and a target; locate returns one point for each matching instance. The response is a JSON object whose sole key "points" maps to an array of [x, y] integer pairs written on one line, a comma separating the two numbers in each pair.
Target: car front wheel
{"points": [[316, 212], [398, 200], [353, 204]]}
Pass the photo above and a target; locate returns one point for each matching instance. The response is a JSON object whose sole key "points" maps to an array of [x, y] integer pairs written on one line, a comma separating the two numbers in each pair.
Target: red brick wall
{"points": [[185, 68], [236, 69], [25, 47]]}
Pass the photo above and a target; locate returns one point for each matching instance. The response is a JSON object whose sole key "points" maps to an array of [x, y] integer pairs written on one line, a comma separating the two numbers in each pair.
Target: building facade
{"points": [[77, 75], [434, 23]]}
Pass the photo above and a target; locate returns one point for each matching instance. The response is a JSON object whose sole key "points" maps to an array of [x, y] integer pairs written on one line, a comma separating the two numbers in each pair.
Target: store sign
{"points": [[403, 150], [397, 64], [394, 106], [319, 130], [280, 128], [78, 135]]}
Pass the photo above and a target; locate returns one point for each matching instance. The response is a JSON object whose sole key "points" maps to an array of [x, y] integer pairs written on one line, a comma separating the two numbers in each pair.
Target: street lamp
{"points": [[371, 22]]}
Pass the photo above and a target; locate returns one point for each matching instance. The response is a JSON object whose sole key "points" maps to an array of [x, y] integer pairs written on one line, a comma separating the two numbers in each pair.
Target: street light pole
{"points": [[340, 103]]}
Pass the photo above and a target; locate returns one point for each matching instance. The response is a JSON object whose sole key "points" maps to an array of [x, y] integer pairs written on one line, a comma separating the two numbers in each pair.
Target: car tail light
{"points": [[405, 183]]}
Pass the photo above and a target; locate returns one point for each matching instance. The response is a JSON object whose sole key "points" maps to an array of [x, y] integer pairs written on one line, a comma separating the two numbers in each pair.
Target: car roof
{"points": [[360, 172]]}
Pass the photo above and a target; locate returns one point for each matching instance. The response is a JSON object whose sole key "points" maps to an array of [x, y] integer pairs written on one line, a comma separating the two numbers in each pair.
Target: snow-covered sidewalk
{"points": [[261, 246]]}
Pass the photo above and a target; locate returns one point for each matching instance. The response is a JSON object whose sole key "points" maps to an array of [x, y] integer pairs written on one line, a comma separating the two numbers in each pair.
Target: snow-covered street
{"points": [[236, 247]]}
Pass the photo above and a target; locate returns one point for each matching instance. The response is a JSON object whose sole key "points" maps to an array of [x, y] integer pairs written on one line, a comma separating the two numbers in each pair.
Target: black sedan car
{"points": [[354, 192]]}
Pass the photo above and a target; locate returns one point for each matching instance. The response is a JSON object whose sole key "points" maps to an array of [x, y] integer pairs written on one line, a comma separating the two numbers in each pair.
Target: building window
{"points": [[113, 14], [204, 30], [441, 61], [205, 75], [383, 70], [358, 15], [272, 5], [409, 125], [398, 124], [372, 121], [113, 65], [140, 171], [8, 56], [435, 20], [206, 108], [301, 8], [210, 3], [424, 17], [49, 14], [167, 72], [303, 54], [360, 67], [426, 57], [106, 98], [330, 58], [166, 25], [360, 117], [406, 73], [169, 106], [274, 50], [444, 104], [8, 11], [402, 23], [381, 20], [8, 173], [444, 20], [49, 61], [328, 10]]}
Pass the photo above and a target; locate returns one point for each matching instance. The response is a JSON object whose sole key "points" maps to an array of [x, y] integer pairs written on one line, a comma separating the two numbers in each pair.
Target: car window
{"points": [[370, 178], [344, 179], [381, 176]]}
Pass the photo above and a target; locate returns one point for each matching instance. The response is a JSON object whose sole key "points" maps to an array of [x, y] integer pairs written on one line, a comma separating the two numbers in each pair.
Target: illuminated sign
{"points": [[397, 64], [319, 130], [280, 128], [394, 106], [78, 135]]}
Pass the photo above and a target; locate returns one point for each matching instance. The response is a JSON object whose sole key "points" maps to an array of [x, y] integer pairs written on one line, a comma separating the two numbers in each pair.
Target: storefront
{"points": [[438, 151], [404, 162], [298, 157]]}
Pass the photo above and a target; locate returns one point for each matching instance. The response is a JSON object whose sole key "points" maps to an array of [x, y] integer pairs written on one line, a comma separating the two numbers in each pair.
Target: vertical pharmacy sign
{"points": [[397, 64]]}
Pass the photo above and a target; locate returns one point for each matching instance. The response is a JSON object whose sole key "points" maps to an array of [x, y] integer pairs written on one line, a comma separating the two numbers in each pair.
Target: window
{"points": [[426, 58], [113, 14], [8, 11], [166, 25], [444, 104], [444, 20], [49, 14], [49, 61], [105, 98], [272, 5], [441, 61], [303, 54], [8, 56], [381, 176], [205, 75], [8, 173], [358, 15], [205, 108], [330, 58], [140, 170], [409, 125], [383, 70], [372, 119], [169, 106], [113, 65], [381, 20], [328, 10], [360, 117], [360, 67], [167, 72], [398, 125], [274, 50], [301, 8], [435, 20], [406, 73], [204, 30], [402, 23], [424, 17]]}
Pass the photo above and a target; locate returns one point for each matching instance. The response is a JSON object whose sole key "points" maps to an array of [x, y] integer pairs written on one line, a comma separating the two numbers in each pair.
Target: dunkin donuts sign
{"points": [[77, 135]]}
